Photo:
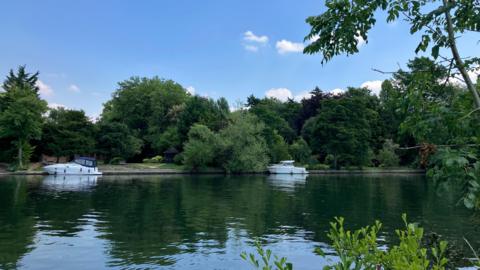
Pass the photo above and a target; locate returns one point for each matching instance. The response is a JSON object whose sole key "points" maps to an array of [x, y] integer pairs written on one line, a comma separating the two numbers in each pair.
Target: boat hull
{"points": [[71, 169], [286, 170]]}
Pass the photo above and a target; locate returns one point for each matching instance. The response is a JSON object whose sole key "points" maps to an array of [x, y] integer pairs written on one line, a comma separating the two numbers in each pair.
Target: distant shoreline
{"points": [[218, 172]]}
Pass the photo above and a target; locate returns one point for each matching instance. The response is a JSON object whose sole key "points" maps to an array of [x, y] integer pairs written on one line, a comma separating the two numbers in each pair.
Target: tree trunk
{"points": [[458, 60], [20, 154]]}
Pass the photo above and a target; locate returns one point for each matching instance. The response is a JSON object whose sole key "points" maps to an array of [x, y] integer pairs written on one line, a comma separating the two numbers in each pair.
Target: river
{"points": [[205, 222]]}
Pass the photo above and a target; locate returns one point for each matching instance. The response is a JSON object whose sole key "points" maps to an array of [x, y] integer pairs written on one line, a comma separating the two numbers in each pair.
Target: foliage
{"points": [[147, 106], [204, 111], [278, 149], [21, 79], [276, 116], [458, 169], [68, 133], [116, 161], [300, 151], [21, 120], [155, 159], [341, 28], [318, 166], [265, 261], [343, 128], [359, 250], [201, 148], [243, 147], [387, 156], [114, 139]]}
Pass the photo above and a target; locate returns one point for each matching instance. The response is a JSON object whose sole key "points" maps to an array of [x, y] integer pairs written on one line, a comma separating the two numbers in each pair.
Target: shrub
{"points": [[387, 155], [265, 261], [155, 159], [243, 147], [318, 166], [300, 151], [359, 250], [116, 161], [201, 147]]}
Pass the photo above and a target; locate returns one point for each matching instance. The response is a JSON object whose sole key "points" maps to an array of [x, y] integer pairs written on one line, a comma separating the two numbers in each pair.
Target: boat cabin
{"points": [[86, 161], [287, 162]]}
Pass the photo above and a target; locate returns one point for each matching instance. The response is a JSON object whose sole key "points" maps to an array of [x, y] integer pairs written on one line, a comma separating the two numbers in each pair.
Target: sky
{"points": [[214, 48]]}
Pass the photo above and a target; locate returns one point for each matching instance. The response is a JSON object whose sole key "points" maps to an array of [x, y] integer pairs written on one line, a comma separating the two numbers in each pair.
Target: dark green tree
{"points": [[21, 120], [204, 111], [148, 106], [21, 79], [343, 128], [116, 140], [68, 133]]}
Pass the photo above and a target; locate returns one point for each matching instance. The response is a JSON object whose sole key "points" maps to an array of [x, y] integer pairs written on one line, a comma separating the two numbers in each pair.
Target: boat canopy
{"points": [[86, 161]]}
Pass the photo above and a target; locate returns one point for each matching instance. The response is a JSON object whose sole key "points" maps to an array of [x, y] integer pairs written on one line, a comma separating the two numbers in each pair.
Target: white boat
{"points": [[286, 167], [80, 166]]}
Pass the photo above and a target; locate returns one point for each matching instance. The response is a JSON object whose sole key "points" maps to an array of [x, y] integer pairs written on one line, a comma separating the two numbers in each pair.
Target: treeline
{"points": [[417, 109]]}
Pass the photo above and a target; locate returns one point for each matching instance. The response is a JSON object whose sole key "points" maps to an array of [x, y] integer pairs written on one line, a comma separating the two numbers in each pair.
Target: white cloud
{"points": [[251, 48], [360, 41], [337, 91], [44, 89], [56, 106], [282, 94], [1, 89], [191, 90], [374, 86], [74, 88], [303, 95], [284, 46], [458, 79], [251, 37]]}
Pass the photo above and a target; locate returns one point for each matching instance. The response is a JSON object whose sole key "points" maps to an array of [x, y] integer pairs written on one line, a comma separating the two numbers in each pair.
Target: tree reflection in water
{"points": [[203, 221]]}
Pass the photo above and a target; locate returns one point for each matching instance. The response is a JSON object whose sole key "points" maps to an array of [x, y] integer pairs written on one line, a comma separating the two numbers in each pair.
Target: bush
{"points": [[300, 151], [359, 249], [318, 166], [243, 147], [278, 150], [387, 156], [155, 159], [201, 148], [116, 161]]}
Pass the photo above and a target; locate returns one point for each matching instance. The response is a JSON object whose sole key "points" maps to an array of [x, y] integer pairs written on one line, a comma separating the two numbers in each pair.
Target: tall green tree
{"points": [[67, 133], [244, 148], [344, 23], [21, 120], [21, 79], [148, 106], [343, 128]]}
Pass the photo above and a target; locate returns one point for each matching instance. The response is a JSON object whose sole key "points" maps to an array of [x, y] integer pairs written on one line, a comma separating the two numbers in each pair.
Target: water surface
{"points": [[204, 222]]}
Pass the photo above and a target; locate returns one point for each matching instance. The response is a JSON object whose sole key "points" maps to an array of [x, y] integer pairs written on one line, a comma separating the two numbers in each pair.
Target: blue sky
{"points": [[220, 48]]}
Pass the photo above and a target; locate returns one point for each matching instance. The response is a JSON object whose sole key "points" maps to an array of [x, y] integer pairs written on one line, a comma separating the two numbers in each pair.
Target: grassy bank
{"points": [[167, 168]]}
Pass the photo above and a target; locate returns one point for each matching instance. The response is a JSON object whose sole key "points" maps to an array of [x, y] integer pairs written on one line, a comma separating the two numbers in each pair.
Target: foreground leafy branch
{"points": [[359, 249]]}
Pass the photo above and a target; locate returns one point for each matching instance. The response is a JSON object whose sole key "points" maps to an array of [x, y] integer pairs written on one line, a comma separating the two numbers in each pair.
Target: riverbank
{"points": [[162, 168]]}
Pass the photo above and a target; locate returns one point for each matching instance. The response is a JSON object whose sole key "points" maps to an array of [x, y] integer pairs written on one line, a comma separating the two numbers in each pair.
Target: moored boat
{"points": [[80, 166], [286, 167]]}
